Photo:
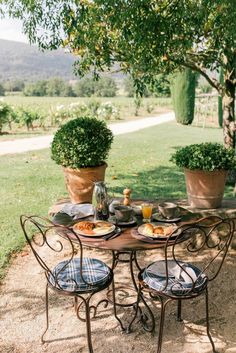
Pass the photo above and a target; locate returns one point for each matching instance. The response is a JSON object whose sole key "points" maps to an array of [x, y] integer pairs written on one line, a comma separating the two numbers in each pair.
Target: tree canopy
{"points": [[146, 37]]}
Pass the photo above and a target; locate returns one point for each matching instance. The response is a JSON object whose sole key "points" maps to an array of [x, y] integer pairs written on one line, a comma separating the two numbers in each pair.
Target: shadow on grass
{"points": [[160, 182]]}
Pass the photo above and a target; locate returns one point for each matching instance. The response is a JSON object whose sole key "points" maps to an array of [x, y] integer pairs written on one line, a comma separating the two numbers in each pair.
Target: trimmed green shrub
{"points": [[207, 156], [183, 96], [82, 142]]}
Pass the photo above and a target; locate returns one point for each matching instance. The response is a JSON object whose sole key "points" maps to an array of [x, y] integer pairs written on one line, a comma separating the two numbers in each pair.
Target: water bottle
{"points": [[101, 201]]}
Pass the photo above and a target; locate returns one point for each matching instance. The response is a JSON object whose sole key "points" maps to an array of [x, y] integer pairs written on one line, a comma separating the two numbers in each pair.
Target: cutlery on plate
{"points": [[112, 235]]}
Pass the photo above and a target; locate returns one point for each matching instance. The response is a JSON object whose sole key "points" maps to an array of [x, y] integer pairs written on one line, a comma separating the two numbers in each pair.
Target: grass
{"points": [[31, 182]]}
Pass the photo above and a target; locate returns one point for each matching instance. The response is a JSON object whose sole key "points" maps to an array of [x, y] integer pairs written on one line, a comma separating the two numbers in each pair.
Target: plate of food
{"points": [[157, 230], [93, 228]]}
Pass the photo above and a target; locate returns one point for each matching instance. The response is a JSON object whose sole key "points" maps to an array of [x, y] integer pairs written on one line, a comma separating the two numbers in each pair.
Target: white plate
{"points": [[141, 230], [160, 218], [97, 231]]}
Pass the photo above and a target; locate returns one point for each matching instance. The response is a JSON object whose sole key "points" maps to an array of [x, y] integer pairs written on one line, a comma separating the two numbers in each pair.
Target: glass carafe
{"points": [[101, 201]]}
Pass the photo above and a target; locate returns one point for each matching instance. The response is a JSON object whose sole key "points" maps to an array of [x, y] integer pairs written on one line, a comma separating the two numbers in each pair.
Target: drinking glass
{"points": [[147, 211]]}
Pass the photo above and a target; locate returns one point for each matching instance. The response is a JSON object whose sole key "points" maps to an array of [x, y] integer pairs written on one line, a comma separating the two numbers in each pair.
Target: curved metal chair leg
{"points": [[208, 323], [88, 325], [76, 303], [129, 328], [179, 307], [47, 318], [161, 326], [114, 306]]}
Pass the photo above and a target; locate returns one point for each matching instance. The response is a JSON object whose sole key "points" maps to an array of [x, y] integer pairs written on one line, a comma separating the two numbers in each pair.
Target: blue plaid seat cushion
{"points": [[66, 275], [180, 282]]}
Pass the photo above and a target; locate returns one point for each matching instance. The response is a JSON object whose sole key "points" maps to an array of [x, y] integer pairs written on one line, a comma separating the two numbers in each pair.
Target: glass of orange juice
{"points": [[147, 211]]}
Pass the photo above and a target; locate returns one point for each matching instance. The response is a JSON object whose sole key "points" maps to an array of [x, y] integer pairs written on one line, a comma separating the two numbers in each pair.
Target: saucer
{"points": [[160, 218], [131, 222]]}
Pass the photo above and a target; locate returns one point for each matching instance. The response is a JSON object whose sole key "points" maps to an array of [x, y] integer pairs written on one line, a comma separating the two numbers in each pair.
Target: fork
{"points": [[113, 235]]}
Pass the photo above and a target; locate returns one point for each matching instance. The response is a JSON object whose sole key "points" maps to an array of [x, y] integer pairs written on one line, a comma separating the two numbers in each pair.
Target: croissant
{"points": [[148, 229]]}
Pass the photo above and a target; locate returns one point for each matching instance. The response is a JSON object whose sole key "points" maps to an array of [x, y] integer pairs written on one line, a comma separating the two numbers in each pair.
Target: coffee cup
{"points": [[168, 210], [123, 213]]}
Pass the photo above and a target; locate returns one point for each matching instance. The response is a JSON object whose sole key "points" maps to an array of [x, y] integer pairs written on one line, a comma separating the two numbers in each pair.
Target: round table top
{"points": [[124, 241]]}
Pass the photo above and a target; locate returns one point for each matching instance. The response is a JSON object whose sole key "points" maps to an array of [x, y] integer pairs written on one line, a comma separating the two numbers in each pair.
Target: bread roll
{"points": [[158, 230], [148, 229]]}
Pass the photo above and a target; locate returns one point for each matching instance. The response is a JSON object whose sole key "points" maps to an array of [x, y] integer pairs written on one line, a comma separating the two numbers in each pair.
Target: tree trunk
{"points": [[228, 115]]}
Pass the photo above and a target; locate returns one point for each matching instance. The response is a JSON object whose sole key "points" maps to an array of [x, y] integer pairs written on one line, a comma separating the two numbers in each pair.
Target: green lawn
{"points": [[31, 182]]}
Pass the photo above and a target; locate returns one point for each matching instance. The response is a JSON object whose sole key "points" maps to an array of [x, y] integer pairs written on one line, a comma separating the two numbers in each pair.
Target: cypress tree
{"points": [[183, 96]]}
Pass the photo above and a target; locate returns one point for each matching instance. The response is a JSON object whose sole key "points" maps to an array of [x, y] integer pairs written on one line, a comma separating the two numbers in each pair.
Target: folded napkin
{"points": [[174, 271], [77, 211]]}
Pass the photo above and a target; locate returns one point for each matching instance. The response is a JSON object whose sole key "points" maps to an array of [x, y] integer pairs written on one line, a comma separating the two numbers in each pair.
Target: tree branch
{"points": [[212, 81]]}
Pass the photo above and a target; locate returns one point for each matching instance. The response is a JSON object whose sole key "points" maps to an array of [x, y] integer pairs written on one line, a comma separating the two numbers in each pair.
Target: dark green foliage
{"points": [[5, 111], [54, 87], [82, 142], [205, 156], [14, 85], [183, 95], [220, 105], [28, 117], [2, 90], [104, 87], [85, 87], [160, 87], [38, 89]]}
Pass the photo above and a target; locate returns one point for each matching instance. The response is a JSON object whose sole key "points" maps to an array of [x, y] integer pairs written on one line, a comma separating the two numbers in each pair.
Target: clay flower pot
{"points": [[205, 189], [80, 182]]}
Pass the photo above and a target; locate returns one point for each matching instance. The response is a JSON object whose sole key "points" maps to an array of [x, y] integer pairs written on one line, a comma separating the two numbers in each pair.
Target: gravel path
{"points": [[37, 143], [22, 312]]}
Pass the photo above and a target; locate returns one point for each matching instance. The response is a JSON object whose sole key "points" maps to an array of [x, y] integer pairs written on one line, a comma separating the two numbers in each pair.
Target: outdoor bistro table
{"points": [[124, 248]]}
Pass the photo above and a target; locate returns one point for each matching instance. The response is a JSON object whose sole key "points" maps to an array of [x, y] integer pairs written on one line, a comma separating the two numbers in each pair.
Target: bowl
{"points": [[123, 213]]}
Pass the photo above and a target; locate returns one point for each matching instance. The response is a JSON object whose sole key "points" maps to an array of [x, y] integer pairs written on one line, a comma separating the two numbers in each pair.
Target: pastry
{"points": [[85, 225], [148, 229], [159, 230]]}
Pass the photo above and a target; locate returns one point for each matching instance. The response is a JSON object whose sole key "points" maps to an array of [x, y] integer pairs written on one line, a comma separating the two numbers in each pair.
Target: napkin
{"points": [[174, 271], [77, 211]]}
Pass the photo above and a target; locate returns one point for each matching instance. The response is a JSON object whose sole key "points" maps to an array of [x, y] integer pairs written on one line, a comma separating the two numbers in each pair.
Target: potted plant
{"points": [[81, 146], [205, 166]]}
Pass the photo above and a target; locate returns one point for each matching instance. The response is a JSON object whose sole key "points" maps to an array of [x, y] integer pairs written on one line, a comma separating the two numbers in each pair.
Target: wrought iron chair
{"points": [[194, 255], [80, 277]]}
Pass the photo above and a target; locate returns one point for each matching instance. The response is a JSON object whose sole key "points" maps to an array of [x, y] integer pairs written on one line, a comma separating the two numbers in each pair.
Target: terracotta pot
{"points": [[80, 182], [205, 189]]}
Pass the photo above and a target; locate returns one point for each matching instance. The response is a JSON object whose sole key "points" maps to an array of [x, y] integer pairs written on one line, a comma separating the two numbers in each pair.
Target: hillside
{"points": [[23, 61]]}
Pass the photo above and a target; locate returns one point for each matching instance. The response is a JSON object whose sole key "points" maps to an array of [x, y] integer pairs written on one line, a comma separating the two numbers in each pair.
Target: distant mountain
{"points": [[24, 61]]}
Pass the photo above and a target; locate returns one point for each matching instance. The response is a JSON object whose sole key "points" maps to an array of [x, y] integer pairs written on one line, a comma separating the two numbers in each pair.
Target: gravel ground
{"points": [[22, 312]]}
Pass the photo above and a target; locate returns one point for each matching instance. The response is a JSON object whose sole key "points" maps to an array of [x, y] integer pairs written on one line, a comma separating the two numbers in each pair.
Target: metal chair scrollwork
{"points": [[194, 255], [67, 271]]}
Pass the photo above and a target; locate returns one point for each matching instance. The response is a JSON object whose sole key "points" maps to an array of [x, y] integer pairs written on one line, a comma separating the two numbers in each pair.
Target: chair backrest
{"points": [[52, 245], [195, 253]]}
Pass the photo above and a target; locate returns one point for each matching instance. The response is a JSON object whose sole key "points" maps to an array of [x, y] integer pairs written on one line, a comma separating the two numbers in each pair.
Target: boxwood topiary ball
{"points": [[82, 142]]}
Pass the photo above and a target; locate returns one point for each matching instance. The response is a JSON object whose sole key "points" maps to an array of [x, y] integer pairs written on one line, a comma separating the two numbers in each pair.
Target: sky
{"points": [[12, 30]]}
